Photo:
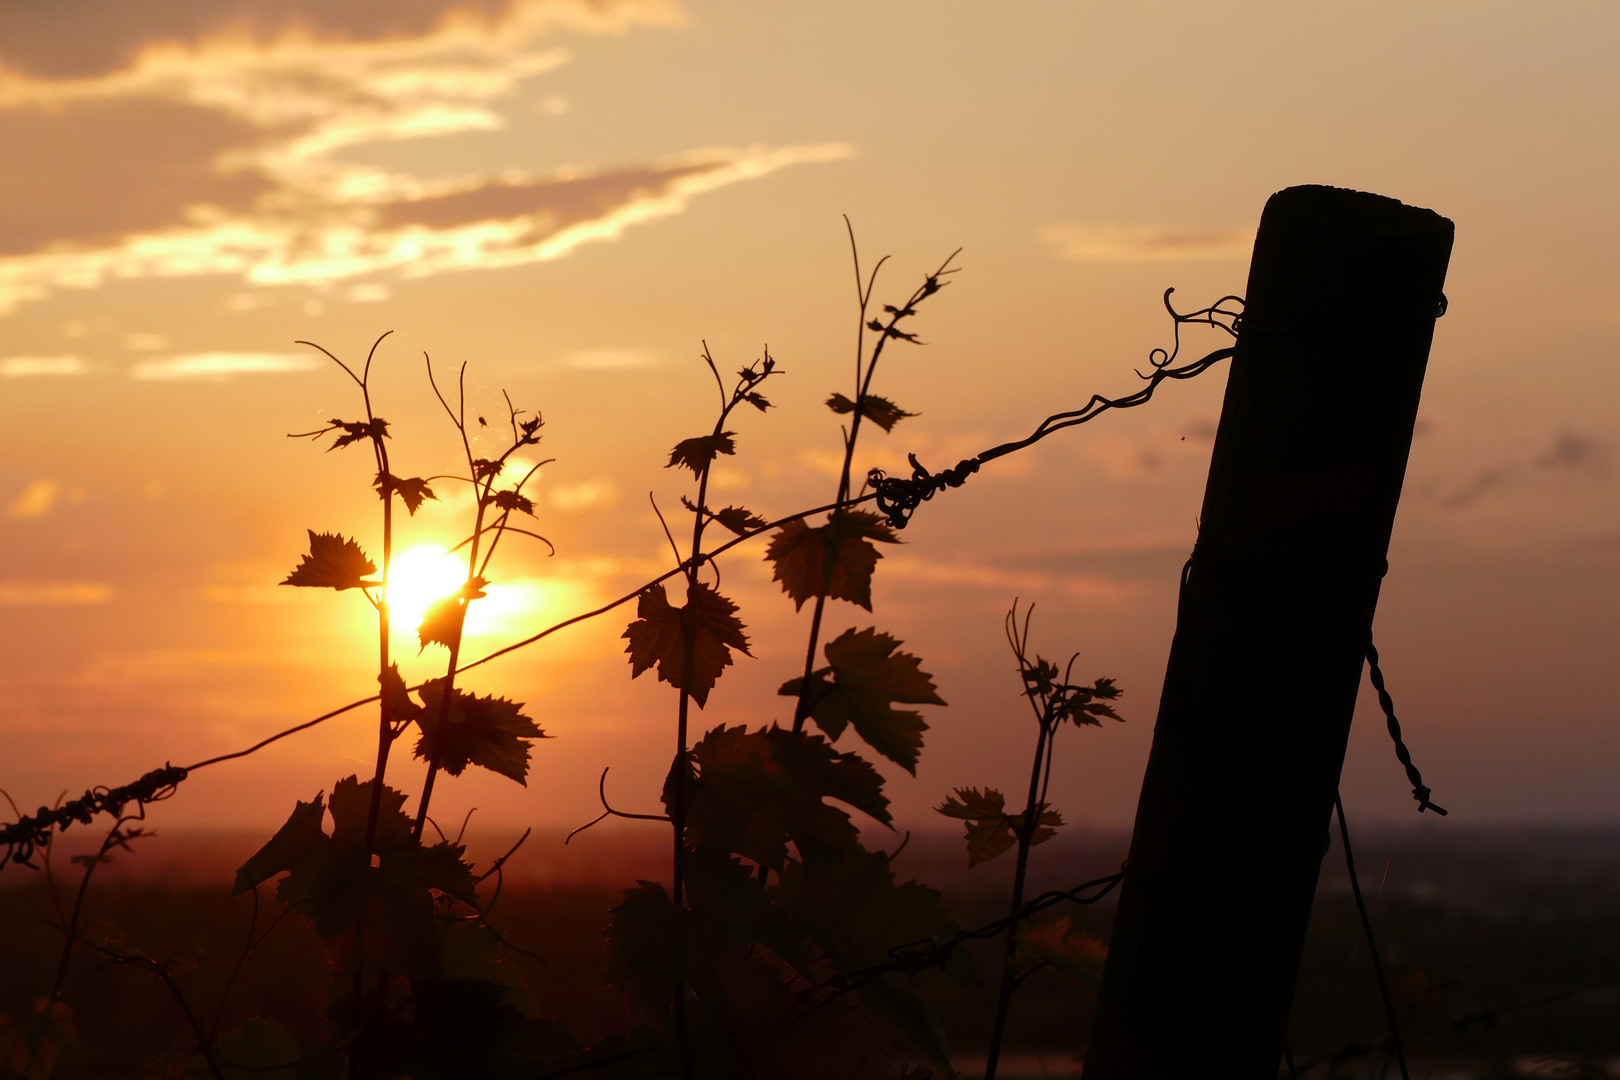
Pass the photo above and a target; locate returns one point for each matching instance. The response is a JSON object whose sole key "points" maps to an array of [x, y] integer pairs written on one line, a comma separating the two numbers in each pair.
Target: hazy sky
{"points": [[573, 197]]}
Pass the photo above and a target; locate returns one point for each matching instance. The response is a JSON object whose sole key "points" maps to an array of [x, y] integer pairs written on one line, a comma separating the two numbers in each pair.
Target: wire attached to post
{"points": [[1372, 945], [1420, 791]]}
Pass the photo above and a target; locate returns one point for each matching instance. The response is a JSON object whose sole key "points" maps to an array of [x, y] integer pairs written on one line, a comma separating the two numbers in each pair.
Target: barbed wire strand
{"points": [[1419, 791], [1372, 943], [899, 497], [1485, 1018], [916, 956], [896, 497]]}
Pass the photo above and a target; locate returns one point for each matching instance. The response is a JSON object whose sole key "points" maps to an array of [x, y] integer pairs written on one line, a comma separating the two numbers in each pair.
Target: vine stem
{"points": [[448, 687], [863, 385], [113, 839], [1009, 967]]}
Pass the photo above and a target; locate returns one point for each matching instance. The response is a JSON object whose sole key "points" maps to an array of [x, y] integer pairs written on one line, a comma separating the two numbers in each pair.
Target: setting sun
{"points": [[419, 576]]}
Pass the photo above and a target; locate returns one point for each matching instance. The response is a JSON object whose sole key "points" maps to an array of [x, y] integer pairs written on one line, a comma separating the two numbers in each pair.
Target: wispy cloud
{"points": [[53, 593], [219, 366], [227, 147], [596, 493], [1012, 582], [18, 367], [1145, 243], [612, 359], [1571, 456]]}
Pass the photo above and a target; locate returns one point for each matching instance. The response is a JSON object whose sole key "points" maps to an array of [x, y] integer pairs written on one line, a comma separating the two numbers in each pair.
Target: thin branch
{"points": [[608, 811]]}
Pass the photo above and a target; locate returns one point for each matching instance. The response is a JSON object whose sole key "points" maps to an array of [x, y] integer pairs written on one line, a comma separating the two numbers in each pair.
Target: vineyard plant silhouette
{"points": [[781, 945]]}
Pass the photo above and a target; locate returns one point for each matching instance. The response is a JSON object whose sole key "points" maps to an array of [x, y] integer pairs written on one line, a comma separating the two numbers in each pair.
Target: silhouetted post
{"points": [[1275, 615]]}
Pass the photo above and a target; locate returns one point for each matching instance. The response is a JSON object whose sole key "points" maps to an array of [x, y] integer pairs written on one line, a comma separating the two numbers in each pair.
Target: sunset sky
{"points": [[573, 197]]}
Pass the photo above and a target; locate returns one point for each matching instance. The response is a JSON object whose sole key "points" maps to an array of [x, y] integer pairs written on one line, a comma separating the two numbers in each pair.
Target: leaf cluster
{"points": [[991, 830], [1061, 700], [781, 896]]}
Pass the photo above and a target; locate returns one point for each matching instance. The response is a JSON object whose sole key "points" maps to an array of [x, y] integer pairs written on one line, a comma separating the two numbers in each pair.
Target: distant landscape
{"points": [[1485, 919]]}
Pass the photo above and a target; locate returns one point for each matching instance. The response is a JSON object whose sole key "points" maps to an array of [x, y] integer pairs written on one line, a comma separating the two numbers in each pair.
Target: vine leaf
{"points": [[801, 553], [642, 938], [990, 829], [662, 634], [735, 518], [390, 886], [1077, 955], [40, 1038], [753, 791], [490, 732], [397, 698], [412, 491], [739, 520], [333, 562], [294, 844], [880, 410], [354, 431], [867, 678], [514, 500], [696, 454], [443, 619], [757, 400]]}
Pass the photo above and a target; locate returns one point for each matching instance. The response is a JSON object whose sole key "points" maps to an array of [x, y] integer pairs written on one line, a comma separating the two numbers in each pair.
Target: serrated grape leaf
{"points": [[355, 430], [696, 454], [443, 619], [294, 844], [386, 889], [757, 400], [396, 698], [350, 807], [1089, 704], [441, 868], [333, 562], [990, 829], [751, 792], [662, 634], [866, 679], [880, 410], [739, 520], [642, 943], [1077, 955], [513, 500], [490, 732], [412, 491], [818, 768], [800, 555]]}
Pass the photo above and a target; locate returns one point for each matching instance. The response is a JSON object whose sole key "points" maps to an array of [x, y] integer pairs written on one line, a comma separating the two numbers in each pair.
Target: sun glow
{"points": [[426, 572], [416, 579]]}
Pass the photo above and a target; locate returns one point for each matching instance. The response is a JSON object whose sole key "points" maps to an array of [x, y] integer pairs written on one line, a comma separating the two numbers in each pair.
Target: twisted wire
{"points": [[898, 497], [22, 838], [1420, 791], [916, 956]]}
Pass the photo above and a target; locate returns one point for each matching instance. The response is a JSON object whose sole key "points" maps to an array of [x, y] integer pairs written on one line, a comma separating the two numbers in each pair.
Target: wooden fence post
{"points": [[1276, 609]]}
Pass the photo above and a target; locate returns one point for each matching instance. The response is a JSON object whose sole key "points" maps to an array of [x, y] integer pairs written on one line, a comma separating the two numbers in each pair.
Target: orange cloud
{"points": [[223, 144], [1145, 243]]}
